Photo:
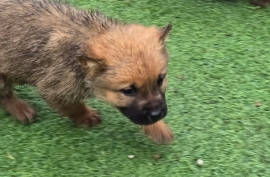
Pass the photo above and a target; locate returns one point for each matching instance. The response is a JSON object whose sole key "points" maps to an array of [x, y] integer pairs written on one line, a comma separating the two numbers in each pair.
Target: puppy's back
{"points": [[37, 35]]}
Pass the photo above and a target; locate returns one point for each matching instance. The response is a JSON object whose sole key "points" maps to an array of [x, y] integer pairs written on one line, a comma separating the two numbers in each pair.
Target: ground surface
{"points": [[219, 69]]}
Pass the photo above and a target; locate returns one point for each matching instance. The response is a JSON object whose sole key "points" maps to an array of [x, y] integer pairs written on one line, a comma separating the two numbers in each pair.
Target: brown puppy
{"points": [[70, 55]]}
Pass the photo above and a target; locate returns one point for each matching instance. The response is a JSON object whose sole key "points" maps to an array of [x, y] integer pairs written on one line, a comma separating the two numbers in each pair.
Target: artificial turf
{"points": [[219, 70]]}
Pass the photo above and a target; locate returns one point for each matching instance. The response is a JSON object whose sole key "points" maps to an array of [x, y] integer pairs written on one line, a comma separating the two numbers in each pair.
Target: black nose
{"points": [[155, 114]]}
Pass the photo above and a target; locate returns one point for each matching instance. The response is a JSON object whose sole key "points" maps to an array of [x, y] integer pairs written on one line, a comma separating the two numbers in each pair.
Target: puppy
{"points": [[70, 55]]}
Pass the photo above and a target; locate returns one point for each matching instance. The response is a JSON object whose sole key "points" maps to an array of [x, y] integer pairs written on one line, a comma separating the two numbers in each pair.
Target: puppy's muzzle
{"points": [[146, 115]]}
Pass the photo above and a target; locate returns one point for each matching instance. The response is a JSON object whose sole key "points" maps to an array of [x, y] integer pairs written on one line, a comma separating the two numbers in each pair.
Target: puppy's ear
{"points": [[93, 66], [164, 32]]}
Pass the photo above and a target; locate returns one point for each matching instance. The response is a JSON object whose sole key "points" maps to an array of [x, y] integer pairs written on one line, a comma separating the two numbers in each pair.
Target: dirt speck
{"points": [[181, 77], [258, 104], [10, 156], [131, 156], [157, 156]]}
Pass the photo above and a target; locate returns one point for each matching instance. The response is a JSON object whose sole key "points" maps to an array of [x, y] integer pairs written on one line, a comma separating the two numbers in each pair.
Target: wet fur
{"points": [[70, 55]]}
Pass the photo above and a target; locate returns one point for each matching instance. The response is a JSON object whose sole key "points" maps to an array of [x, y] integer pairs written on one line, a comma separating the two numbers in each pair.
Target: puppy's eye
{"points": [[160, 80], [129, 91]]}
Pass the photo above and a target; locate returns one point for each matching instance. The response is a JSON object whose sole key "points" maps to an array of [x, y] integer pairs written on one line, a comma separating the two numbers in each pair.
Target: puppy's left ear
{"points": [[93, 66], [164, 32]]}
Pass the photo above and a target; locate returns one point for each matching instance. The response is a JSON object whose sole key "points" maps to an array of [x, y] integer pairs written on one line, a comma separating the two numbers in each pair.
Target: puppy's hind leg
{"points": [[14, 105]]}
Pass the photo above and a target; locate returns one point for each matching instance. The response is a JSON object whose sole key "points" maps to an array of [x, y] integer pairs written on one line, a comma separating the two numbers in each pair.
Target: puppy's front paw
{"points": [[159, 132], [89, 119], [19, 109]]}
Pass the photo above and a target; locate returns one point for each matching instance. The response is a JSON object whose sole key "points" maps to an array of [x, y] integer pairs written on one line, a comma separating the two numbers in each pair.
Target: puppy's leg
{"points": [[159, 132], [80, 114], [17, 107]]}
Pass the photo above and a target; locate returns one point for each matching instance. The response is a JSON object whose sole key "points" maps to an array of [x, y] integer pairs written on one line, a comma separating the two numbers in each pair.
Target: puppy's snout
{"points": [[155, 114], [157, 111]]}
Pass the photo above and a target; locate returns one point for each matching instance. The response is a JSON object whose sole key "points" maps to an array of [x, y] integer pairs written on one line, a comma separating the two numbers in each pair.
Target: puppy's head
{"points": [[128, 69]]}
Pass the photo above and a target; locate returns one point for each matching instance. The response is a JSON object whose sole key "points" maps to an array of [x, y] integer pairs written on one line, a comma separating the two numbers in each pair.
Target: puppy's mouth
{"points": [[142, 118]]}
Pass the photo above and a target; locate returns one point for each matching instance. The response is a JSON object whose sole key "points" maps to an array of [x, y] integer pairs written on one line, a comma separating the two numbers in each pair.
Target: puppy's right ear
{"points": [[165, 31], [94, 67]]}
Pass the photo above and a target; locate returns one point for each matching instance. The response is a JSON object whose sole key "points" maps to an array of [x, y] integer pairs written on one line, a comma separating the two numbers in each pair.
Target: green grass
{"points": [[221, 49]]}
